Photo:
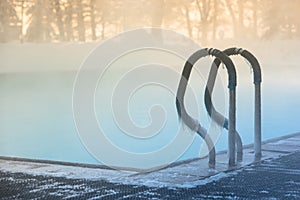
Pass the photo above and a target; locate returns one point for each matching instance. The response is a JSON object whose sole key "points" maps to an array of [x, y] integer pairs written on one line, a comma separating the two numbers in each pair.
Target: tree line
{"points": [[203, 20]]}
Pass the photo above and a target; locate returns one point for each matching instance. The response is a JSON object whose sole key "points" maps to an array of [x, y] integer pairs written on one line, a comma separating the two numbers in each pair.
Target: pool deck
{"points": [[182, 175]]}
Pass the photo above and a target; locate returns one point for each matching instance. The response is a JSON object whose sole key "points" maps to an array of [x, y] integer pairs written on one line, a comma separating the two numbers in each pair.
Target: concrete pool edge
{"points": [[100, 166], [188, 173]]}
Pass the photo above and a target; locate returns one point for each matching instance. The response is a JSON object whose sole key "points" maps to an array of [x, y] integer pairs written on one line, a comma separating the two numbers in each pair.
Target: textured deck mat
{"points": [[270, 179]]}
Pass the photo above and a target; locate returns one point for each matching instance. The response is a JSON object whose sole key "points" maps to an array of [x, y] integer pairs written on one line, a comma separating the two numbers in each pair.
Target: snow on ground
{"points": [[263, 181], [62, 171], [114, 176]]}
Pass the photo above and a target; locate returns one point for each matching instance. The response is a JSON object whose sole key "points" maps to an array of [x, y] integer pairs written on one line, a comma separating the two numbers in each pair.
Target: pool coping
{"points": [[100, 166], [187, 173]]}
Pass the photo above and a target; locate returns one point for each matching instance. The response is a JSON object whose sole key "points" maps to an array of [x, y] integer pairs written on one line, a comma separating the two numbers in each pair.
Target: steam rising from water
{"points": [[36, 115]]}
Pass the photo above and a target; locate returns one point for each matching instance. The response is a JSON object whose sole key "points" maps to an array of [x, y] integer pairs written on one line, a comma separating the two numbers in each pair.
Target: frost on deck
{"points": [[183, 174]]}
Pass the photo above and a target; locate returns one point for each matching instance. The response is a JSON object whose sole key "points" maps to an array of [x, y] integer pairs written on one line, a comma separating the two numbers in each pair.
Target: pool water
{"points": [[37, 121]]}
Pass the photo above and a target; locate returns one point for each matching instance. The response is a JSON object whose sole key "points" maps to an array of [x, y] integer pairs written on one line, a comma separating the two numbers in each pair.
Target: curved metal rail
{"points": [[193, 124], [257, 79]]}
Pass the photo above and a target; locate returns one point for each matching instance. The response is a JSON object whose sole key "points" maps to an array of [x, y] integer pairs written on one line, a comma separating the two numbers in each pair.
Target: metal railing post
{"points": [[257, 123], [257, 115], [213, 113], [231, 128]]}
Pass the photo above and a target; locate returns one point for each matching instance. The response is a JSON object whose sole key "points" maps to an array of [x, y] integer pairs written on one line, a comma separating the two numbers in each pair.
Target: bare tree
{"points": [[41, 16], [68, 20], [80, 21], [59, 19], [229, 5], [205, 9], [8, 20], [185, 8], [280, 19], [93, 19]]}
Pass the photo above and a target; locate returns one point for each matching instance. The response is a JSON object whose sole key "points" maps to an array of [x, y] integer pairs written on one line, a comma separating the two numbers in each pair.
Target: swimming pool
{"points": [[37, 118]]}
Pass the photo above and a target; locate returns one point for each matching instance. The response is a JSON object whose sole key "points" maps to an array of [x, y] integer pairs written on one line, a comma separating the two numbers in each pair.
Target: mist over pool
{"points": [[36, 101]]}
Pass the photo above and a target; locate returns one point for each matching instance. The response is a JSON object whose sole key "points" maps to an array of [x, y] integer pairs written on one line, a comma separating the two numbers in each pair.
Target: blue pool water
{"points": [[37, 121]]}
